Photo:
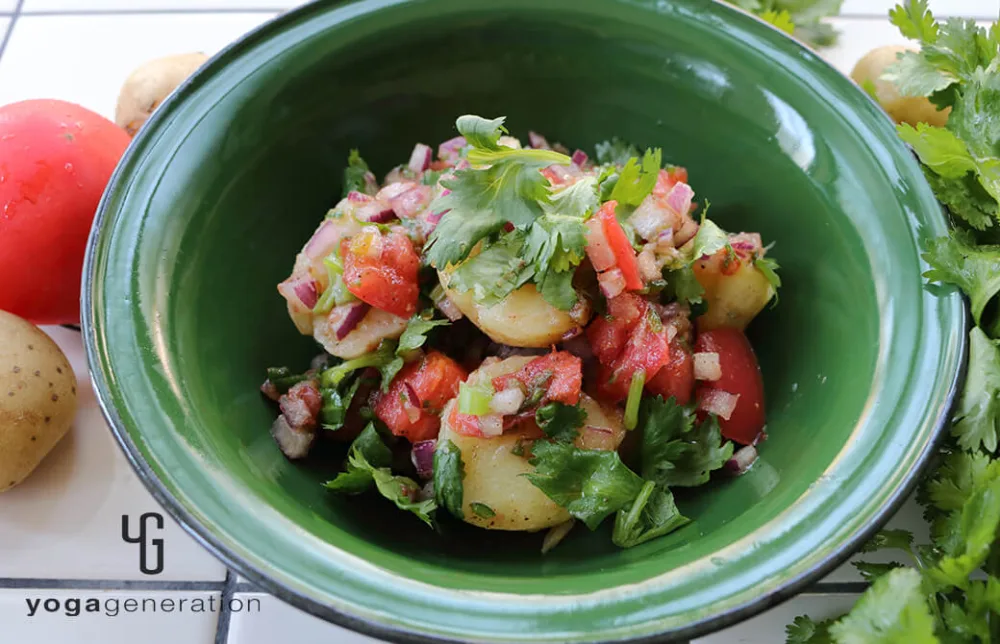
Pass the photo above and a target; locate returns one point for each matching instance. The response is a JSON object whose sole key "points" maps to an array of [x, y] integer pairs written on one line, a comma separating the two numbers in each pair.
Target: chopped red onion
{"points": [[422, 456], [412, 202], [579, 158], [294, 444], [354, 316], [449, 308], [573, 332], [421, 157], [393, 190], [706, 366], [741, 461], [650, 218], [412, 404], [451, 150], [300, 292], [599, 430], [598, 249], [665, 240], [612, 282], [686, 233], [324, 239], [359, 197], [718, 402], [377, 212], [491, 425], [538, 141], [649, 271], [271, 391], [580, 347], [679, 198], [507, 401], [435, 217]]}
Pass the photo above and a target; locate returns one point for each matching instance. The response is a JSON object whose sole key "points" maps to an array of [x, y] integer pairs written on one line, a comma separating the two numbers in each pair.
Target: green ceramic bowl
{"points": [[206, 211]]}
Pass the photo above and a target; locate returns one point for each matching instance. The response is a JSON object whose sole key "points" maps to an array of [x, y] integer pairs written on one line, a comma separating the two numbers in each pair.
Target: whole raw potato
{"points": [[149, 85], [902, 109], [37, 398]]}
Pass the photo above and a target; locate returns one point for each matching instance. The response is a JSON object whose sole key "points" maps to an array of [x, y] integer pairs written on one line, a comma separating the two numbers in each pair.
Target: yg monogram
{"points": [[144, 542]]}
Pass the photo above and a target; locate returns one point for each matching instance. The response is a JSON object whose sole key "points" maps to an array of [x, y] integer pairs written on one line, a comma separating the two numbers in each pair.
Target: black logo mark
{"points": [[144, 542]]}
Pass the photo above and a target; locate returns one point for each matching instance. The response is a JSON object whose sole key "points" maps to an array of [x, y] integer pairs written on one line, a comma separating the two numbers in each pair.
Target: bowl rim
{"points": [[215, 544]]}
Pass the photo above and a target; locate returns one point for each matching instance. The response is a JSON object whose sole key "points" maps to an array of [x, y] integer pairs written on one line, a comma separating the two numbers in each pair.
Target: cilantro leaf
{"points": [[496, 272], [458, 231], [915, 21], [769, 267], [555, 245], [636, 181], [780, 19], [938, 149], [872, 571], [560, 421], [333, 413], [482, 510], [368, 463], [709, 239], [976, 529], [590, 484], [889, 539], [965, 198], [357, 176], [803, 630], [914, 75], [283, 379], [415, 334], [652, 514], [674, 452], [615, 152], [975, 269], [892, 610], [977, 419], [959, 476], [682, 285], [449, 470], [481, 133]]}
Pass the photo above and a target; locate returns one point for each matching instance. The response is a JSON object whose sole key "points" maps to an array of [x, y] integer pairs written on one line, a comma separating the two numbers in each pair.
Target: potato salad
{"points": [[524, 338]]}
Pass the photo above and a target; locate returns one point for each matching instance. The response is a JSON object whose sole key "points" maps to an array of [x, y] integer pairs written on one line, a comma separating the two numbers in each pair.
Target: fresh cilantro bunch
{"points": [[951, 591], [803, 18]]}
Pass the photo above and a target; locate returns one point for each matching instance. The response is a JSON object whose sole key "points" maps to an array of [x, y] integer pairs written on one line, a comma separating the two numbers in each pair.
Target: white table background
{"points": [[60, 530]]}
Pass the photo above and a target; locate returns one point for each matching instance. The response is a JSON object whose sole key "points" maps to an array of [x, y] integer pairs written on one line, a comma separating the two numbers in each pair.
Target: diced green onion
{"points": [[474, 399], [336, 293], [634, 397], [437, 293]]}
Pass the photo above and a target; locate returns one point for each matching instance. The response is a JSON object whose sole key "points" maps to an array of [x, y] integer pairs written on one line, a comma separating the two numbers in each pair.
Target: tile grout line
{"points": [[107, 584], [10, 27], [225, 611]]}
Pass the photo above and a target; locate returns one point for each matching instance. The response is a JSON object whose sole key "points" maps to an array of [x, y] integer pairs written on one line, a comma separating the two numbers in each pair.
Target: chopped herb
{"points": [[482, 510], [560, 421], [449, 470]]}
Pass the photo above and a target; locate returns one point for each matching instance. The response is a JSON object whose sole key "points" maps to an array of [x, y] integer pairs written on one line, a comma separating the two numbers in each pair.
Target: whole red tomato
{"points": [[55, 161]]}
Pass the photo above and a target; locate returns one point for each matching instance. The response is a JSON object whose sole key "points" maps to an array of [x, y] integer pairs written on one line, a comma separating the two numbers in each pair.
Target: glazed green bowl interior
{"points": [[224, 185]]}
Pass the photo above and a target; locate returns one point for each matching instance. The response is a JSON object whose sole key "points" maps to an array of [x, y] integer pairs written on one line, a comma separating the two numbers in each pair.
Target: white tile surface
{"points": [[769, 628], [159, 617], [965, 8], [55, 6], [278, 622], [85, 59], [6, 6], [65, 520]]}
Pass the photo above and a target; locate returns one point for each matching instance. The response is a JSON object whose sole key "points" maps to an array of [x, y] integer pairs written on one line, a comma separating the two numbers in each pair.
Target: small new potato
{"points": [[733, 299], [37, 398], [149, 85], [902, 109], [493, 473], [524, 319]]}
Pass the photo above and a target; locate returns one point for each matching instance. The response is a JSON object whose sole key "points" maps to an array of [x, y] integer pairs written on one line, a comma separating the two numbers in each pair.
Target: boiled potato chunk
{"points": [[493, 473], [149, 85], [524, 319], [902, 109], [37, 398], [733, 300]]}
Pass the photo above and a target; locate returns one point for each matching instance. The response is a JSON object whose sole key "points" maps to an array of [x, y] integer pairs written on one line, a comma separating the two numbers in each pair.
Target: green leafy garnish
{"points": [[283, 379], [368, 463], [590, 484], [496, 272], [805, 631], [449, 470], [560, 421], [894, 609], [957, 260], [977, 418], [780, 19], [652, 514], [682, 285], [615, 152], [769, 268], [802, 18], [709, 240], [636, 180], [482, 510], [333, 413], [634, 398], [674, 451], [357, 176]]}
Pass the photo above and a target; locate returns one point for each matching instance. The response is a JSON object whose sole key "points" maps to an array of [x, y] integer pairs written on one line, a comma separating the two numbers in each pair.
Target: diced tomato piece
{"points": [[676, 378], [740, 376], [559, 372], [464, 424], [646, 350], [433, 381], [625, 258], [381, 269], [608, 334], [668, 178]]}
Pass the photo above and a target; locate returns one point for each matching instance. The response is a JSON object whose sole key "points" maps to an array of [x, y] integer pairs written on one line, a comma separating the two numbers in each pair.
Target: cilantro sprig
{"points": [[950, 589]]}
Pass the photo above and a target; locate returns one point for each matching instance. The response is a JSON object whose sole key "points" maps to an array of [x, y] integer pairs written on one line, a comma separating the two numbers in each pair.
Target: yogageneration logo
{"points": [[147, 546]]}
